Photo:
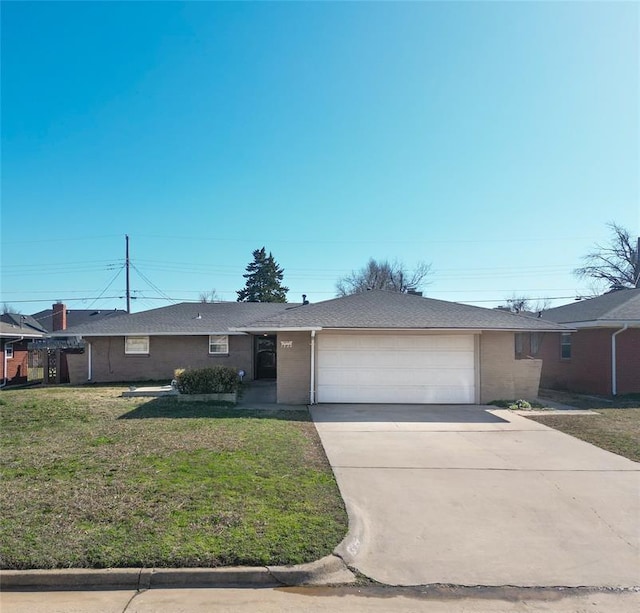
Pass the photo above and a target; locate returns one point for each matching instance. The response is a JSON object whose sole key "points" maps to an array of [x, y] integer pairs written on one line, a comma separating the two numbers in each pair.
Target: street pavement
{"points": [[318, 600], [464, 495]]}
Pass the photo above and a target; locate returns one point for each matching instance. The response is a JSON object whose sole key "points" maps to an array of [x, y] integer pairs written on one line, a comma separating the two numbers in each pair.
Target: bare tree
{"points": [[7, 308], [382, 274], [524, 304], [616, 263], [211, 296]]}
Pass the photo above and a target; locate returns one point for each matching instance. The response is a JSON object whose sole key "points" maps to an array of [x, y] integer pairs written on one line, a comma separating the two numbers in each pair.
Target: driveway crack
{"points": [[137, 593], [591, 508]]}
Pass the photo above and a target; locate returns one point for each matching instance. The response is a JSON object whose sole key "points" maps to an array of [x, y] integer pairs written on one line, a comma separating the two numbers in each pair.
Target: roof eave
{"points": [[81, 334], [19, 335], [476, 330], [605, 323], [263, 329]]}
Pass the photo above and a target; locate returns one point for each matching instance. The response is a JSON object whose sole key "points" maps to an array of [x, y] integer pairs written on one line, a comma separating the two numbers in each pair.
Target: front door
{"points": [[265, 352]]}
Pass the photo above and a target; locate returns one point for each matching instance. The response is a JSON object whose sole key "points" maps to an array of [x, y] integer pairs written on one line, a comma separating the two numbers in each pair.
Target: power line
{"points": [[350, 240], [59, 264], [106, 288], [150, 283]]}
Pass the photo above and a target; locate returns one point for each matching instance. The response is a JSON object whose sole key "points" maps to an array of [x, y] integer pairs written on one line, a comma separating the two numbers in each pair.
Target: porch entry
{"points": [[265, 356]]}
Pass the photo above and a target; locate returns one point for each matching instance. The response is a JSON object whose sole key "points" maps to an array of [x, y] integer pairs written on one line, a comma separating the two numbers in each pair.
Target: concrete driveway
{"points": [[470, 496]]}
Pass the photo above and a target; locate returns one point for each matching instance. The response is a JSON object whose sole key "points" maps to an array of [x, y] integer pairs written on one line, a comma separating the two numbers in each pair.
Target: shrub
{"points": [[214, 380], [514, 405]]}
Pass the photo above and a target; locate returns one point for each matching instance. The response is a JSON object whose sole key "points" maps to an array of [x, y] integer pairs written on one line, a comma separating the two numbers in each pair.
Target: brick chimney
{"points": [[59, 317]]}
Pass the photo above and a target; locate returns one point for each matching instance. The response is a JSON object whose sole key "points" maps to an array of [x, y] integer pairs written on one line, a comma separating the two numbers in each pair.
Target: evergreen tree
{"points": [[263, 280]]}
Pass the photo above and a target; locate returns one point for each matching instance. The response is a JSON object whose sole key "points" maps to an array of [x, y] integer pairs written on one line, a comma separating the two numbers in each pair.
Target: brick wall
{"points": [[294, 368], [501, 375], [17, 367], [166, 353], [589, 368], [628, 350]]}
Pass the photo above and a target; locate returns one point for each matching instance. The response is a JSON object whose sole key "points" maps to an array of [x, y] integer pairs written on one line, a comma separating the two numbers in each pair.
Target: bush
{"points": [[514, 405], [214, 380]]}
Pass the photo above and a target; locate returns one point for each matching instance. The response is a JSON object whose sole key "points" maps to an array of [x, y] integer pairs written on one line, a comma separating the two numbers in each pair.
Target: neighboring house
{"points": [[53, 353], [16, 331], [59, 317], [603, 355], [372, 347]]}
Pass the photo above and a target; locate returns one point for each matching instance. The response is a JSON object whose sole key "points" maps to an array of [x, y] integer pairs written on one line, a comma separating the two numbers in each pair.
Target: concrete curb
{"points": [[329, 570], [537, 412], [353, 542]]}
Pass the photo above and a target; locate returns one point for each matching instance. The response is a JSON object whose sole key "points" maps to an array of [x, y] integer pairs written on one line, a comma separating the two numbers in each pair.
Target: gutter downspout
{"points": [[4, 367], [89, 361], [312, 392], [614, 374]]}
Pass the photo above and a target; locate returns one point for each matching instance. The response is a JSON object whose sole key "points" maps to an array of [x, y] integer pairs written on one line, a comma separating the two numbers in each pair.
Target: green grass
{"points": [[614, 429], [90, 479]]}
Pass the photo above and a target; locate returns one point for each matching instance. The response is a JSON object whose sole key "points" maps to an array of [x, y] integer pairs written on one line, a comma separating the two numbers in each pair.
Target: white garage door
{"points": [[404, 369]]}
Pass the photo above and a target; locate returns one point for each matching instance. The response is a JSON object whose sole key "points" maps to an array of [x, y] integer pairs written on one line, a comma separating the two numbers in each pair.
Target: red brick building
{"points": [[16, 331], [603, 355]]}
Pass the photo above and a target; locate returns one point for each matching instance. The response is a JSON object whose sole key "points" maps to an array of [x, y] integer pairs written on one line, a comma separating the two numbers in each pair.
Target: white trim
{"points": [[146, 351], [226, 337], [116, 334], [564, 328], [275, 330], [89, 362], [312, 391], [569, 344], [560, 328], [22, 336], [604, 323], [4, 351]]}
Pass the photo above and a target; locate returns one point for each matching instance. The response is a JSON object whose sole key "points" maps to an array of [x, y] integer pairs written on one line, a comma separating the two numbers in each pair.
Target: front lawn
{"points": [[616, 430], [90, 479]]}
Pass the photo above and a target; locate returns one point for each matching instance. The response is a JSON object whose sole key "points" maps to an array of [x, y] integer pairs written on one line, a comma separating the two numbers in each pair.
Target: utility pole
{"points": [[126, 261]]}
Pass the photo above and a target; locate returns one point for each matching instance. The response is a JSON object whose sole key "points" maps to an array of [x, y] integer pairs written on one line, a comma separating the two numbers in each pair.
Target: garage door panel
{"points": [[414, 395], [395, 360], [408, 377], [347, 342], [401, 368]]}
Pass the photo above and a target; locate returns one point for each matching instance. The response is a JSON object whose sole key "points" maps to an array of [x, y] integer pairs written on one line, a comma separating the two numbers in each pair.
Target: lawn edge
{"points": [[329, 570]]}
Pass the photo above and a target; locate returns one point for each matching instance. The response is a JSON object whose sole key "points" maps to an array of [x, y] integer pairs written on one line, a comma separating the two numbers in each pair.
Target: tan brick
{"points": [[294, 367], [501, 375]]}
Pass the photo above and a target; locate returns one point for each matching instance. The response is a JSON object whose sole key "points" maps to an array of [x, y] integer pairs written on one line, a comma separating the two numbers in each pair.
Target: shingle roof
{"points": [[374, 309], [186, 318], [383, 309], [76, 317], [14, 324], [617, 306]]}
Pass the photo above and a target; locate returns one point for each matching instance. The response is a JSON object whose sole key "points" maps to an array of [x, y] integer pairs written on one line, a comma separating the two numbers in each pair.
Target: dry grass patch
{"points": [[616, 430], [91, 479]]}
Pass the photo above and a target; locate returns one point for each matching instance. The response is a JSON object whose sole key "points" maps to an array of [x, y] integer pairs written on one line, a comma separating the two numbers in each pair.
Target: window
{"points": [[136, 345], [565, 345], [8, 351], [218, 344], [536, 339], [519, 344]]}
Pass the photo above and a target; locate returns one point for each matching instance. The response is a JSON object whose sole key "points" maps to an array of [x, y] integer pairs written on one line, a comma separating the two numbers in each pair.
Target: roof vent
{"points": [[199, 316], [304, 299]]}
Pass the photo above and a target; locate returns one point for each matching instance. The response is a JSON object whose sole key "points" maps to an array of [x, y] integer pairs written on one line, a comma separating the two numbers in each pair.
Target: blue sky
{"points": [[493, 140]]}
